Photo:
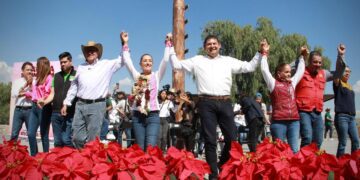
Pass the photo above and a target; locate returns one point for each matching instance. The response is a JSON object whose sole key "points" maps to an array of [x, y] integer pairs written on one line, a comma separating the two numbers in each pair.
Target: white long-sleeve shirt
{"points": [[23, 100], [239, 118], [214, 76], [154, 80], [92, 80], [165, 107], [270, 80]]}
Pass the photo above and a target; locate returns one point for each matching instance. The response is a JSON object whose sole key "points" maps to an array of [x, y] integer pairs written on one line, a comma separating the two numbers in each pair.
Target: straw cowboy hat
{"points": [[98, 46], [172, 91]]}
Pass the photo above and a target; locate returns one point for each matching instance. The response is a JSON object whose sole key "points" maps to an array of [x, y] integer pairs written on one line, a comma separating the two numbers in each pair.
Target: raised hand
{"points": [[304, 51], [341, 49], [183, 97], [124, 36], [264, 47], [169, 40]]}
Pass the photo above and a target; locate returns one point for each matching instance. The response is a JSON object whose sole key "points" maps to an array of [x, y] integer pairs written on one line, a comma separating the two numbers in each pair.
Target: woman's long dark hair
{"points": [[42, 70]]}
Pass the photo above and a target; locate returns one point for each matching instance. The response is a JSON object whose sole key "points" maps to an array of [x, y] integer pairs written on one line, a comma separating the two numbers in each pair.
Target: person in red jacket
{"points": [[309, 97], [285, 118]]}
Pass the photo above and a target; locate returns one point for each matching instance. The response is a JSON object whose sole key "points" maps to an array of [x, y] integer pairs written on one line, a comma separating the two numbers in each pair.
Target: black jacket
{"points": [[61, 88], [251, 108]]}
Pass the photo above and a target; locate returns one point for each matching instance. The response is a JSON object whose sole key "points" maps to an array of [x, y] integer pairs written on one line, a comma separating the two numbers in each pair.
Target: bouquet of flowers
{"points": [[140, 90]]}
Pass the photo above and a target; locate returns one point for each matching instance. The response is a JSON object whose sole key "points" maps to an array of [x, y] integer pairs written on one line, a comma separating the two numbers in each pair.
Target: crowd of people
{"points": [[78, 105]]}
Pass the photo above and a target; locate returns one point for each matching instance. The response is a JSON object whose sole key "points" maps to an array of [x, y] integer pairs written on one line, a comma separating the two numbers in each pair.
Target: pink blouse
{"points": [[42, 90]]}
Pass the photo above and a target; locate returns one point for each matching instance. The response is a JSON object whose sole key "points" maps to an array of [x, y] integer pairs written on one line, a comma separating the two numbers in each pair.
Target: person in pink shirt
{"points": [[40, 114]]}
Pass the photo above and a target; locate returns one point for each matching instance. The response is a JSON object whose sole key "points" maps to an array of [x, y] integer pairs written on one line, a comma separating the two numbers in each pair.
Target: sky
{"points": [[30, 29]]}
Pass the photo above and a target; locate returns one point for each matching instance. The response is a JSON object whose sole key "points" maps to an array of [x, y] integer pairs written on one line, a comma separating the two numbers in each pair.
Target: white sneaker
{"points": [[110, 136], [104, 141]]}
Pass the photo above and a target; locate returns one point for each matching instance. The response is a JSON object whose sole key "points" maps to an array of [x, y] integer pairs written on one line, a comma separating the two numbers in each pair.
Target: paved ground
{"points": [[329, 146]]}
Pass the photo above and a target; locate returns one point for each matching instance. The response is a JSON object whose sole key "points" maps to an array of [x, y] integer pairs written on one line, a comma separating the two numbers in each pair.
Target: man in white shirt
{"points": [[213, 77], [90, 86], [22, 104]]}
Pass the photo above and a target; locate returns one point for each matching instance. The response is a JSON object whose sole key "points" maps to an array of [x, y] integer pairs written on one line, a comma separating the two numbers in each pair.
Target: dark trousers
{"points": [[128, 134], [327, 129], [186, 138], [163, 133], [213, 112], [61, 129], [186, 141], [256, 126]]}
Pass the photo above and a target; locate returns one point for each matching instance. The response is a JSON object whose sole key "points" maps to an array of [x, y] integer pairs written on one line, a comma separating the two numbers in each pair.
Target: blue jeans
{"points": [[287, 130], [146, 128], [20, 116], [104, 129], [87, 122], [62, 129], [42, 118], [311, 128], [212, 113], [346, 124]]}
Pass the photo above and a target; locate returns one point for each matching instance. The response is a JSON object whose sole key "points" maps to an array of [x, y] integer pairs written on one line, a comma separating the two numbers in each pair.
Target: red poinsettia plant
{"points": [[15, 162], [315, 163], [272, 160], [241, 165], [184, 165], [349, 166]]}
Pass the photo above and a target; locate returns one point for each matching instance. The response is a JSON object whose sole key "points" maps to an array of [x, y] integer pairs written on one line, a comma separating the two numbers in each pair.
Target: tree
{"points": [[243, 42], [5, 93]]}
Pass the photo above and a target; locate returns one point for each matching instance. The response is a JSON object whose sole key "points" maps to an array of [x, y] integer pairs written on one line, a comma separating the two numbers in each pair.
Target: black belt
{"points": [[219, 98], [90, 101], [23, 107]]}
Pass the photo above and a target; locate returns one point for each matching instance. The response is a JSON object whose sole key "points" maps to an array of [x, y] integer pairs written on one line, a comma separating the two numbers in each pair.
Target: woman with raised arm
{"points": [[345, 111], [285, 123], [146, 121]]}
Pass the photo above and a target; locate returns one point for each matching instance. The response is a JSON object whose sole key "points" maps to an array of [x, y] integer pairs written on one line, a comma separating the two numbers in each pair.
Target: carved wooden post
{"points": [[179, 44]]}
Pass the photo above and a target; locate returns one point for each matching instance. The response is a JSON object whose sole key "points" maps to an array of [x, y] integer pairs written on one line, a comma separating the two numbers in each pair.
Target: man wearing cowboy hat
{"points": [[90, 86]]}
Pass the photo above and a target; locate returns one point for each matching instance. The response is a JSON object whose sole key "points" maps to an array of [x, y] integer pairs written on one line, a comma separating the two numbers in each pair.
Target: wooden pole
{"points": [[179, 41]]}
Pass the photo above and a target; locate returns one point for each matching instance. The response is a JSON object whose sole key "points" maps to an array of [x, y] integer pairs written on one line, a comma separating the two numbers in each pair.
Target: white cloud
{"points": [[356, 87], [5, 72], [127, 82], [124, 85], [81, 56]]}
